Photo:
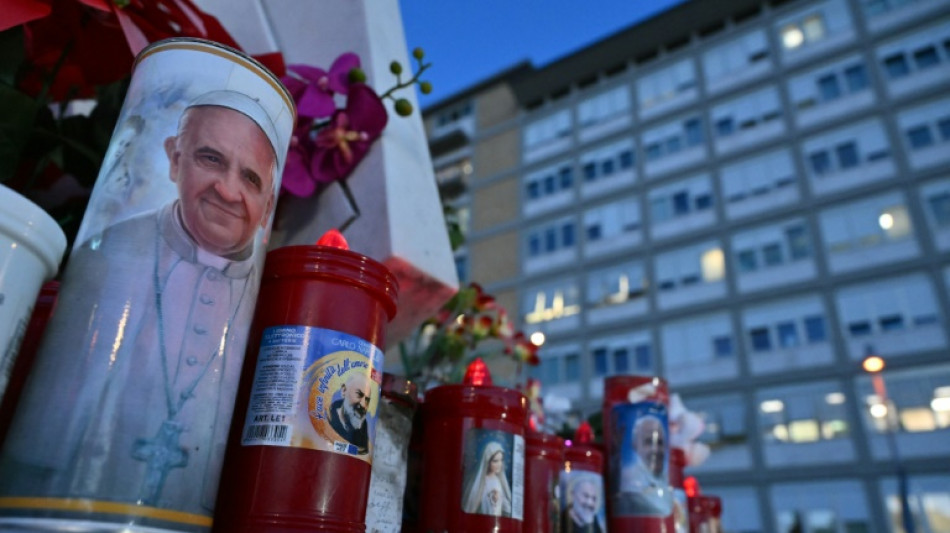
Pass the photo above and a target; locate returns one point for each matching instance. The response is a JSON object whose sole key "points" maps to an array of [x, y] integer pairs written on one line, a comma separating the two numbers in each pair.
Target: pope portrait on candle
{"points": [[153, 316]]}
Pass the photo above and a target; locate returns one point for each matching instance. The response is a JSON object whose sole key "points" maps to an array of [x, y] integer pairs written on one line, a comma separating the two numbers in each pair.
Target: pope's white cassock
{"points": [[132, 393]]}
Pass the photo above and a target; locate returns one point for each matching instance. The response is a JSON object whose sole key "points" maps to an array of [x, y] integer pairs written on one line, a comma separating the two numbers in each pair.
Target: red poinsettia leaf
{"points": [[274, 62], [17, 12]]}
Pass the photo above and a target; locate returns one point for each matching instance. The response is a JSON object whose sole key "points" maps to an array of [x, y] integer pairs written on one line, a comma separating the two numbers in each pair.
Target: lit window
{"points": [[714, 265], [814, 28], [803, 431], [792, 37]]}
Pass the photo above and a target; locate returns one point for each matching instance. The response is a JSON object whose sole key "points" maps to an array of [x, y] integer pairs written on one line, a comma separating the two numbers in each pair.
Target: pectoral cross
{"points": [[161, 454]]}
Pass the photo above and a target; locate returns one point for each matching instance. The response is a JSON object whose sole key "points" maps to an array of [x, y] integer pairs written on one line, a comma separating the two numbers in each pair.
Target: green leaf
{"points": [[11, 55], [17, 117]]}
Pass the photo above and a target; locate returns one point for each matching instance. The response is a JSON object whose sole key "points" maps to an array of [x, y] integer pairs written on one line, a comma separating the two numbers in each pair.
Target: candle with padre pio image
{"points": [[302, 443], [636, 438], [474, 454], [123, 421]]}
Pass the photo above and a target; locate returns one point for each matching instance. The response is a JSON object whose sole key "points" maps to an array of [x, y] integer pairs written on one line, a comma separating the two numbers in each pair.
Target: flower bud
{"points": [[395, 68], [418, 53], [425, 87], [403, 107], [356, 75]]}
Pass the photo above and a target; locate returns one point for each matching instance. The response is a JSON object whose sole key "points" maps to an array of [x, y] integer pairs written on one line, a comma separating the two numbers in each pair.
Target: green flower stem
{"points": [[402, 85]]}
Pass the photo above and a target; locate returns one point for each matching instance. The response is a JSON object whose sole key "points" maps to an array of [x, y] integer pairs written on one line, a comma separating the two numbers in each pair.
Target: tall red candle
{"points": [[636, 438], [474, 450], [582, 485], [299, 458], [544, 459]]}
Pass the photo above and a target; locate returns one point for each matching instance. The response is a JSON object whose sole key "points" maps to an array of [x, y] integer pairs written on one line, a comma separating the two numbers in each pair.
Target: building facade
{"points": [[745, 198]]}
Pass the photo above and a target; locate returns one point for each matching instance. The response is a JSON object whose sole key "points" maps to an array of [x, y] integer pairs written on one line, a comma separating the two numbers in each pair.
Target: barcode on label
{"points": [[265, 433]]}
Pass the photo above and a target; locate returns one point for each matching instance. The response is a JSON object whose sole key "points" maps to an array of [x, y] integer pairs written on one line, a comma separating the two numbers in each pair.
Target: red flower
{"points": [[97, 40]]}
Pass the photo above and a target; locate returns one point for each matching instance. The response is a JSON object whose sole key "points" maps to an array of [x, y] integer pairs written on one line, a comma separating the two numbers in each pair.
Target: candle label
{"points": [[315, 388], [582, 501], [640, 457], [493, 481]]}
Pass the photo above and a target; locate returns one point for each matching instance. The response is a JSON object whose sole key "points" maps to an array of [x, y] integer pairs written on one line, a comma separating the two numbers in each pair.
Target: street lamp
{"points": [[873, 364]]}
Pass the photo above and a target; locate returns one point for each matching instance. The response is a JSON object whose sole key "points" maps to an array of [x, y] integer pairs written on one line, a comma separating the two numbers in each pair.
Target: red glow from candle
{"points": [[584, 433], [334, 239], [477, 374], [691, 486]]}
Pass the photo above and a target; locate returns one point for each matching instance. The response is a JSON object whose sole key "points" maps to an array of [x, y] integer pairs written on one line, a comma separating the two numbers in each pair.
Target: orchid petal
{"points": [[296, 179], [340, 72], [315, 103], [308, 73]]}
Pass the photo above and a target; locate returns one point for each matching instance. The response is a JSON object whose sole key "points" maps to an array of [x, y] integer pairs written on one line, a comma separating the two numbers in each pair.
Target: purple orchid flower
{"points": [[343, 143], [313, 87]]}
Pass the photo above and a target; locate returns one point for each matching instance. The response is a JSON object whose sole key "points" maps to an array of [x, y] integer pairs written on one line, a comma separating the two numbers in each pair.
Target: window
{"points": [[567, 177], [856, 78], [815, 329], [860, 328], [787, 334], [759, 338], [643, 356], [548, 129], [621, 361], [567, 234], [828, 87], [725, 127], [920, 137], [600, 361], [550, 370], [820, 163], [943, 126], [626, 159], [694, 132], [572, 367], [554, 301], [891, 322], [847, 154], [772, 253], [722, 346], [926, 57], [896, 66], [940, 208], [747, 260], [799, 244], [605, 161]]}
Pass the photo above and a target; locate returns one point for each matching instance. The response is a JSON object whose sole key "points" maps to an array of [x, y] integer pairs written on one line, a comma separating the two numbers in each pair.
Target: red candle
{"points": [[636, 437], [680, 505], [300, 449], [544, 459], [582, 485], [474, 450]]}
